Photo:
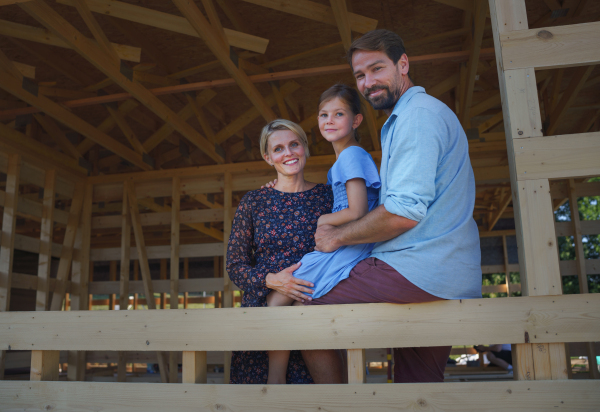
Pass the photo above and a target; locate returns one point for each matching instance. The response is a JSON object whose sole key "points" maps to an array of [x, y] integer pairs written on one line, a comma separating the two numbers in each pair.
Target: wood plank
{"points": [[161, 252], [44, 365], [66, 253], [541, 319], [95, 29], [39, 35], [169, 22], [59, 26], [174, 272], [162, 218], [479, 17], [9, 222], [158, 286], [551, 47], [356, 366], [194, 367], [125, 252], [564, 156], [450, 396], [46, 232], [211, 37], [317, 12], [64, 116]]}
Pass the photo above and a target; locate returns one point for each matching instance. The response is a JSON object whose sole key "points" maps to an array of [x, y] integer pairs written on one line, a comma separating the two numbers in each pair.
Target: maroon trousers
{"points": [[372, 281]]}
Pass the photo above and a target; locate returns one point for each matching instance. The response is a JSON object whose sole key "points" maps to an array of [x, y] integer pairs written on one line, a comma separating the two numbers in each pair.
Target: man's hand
{"points": [[326, 239]]}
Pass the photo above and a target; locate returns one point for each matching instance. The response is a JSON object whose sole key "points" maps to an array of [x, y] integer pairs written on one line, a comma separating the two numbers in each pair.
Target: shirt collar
{"points": [[405, 98]]}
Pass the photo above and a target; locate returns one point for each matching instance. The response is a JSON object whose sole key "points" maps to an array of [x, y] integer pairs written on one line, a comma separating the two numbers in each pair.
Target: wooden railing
{"points": [[536, 320]]}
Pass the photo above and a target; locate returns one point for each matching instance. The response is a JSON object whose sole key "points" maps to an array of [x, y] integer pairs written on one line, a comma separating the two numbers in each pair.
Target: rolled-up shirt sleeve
{"points": [[416, 149]]}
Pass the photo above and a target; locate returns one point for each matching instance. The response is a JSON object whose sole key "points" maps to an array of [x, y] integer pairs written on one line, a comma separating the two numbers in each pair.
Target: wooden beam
{"points": [[96, 30], [39, 35], [194, 367], [168, 22], [575, 85], [479, 17], [174, 272], [551, 47], [46, 232], [66, 253], [58, 135], [127, 131], [44, 365], [566, 317], [502, 205], [457, 56], [357, 366], [59, 26], [64, 116], [125, 252], [211, 38], [9, 221], [563, 156], [317, 12]]}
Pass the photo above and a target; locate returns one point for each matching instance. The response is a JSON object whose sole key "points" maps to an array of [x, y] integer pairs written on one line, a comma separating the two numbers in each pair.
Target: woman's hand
{"points": [[270, 185], [285, 283]]}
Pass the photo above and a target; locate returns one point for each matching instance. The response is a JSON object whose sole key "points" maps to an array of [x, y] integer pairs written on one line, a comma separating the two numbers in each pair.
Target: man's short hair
{"points": [[379, 40]]}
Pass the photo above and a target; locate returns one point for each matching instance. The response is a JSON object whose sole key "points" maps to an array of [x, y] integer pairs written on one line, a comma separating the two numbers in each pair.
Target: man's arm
{"points": [[377, 226]]}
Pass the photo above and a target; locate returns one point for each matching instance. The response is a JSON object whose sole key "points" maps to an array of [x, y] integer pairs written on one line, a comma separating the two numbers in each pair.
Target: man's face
{"points": [[378, 79]]}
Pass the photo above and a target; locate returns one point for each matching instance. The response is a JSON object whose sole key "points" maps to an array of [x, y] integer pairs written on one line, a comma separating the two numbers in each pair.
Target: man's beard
{"points": [[386, 101]]}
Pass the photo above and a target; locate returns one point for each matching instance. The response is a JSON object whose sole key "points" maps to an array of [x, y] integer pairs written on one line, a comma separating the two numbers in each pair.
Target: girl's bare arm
{"points": [[356, 190]]}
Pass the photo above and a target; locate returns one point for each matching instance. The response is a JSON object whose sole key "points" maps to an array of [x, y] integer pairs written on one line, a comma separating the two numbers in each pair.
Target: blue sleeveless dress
{"points": [[326, 270]]}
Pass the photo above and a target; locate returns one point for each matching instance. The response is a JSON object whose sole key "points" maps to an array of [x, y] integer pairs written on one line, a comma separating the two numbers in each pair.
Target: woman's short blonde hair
{"points": [[281, 124]]}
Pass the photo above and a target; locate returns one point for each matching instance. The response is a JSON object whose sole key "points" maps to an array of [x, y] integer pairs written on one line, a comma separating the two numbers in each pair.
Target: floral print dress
{"points": [[271, 231]]}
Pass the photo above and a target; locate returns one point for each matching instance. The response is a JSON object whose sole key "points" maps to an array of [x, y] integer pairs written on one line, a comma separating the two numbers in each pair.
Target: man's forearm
{"points": [[376, 226]]}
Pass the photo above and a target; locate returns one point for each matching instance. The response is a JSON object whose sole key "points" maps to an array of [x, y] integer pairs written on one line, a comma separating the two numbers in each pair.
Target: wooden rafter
{"points": [[168, 22], [97, 32], [59, 26], [211, 38]]}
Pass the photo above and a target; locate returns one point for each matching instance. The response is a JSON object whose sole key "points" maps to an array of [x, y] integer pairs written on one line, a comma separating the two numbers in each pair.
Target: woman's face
{"points": [[286, 152]]}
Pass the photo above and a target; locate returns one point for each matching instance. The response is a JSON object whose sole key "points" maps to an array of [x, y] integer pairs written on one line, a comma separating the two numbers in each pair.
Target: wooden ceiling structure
{"points": [[100, 87]]}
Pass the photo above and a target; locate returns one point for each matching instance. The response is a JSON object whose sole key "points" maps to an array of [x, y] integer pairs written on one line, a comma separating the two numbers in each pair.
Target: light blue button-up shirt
{"points": [[426, 176]]}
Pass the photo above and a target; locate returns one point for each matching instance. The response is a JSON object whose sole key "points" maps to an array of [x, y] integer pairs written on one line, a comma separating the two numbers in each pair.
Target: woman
{"points": [[272, 229]]}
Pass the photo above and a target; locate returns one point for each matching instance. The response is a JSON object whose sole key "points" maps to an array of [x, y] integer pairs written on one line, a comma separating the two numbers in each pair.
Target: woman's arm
{"points": [[358, 206], [239, 262]]}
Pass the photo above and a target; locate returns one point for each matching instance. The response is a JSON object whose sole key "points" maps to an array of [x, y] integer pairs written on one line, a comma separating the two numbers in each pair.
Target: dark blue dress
{"points": [[271, 231]]}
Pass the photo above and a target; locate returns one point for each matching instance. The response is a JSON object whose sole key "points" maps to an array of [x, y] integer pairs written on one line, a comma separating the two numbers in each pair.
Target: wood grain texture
{"points": [[551, 47], [505, 396], [544, 319]]}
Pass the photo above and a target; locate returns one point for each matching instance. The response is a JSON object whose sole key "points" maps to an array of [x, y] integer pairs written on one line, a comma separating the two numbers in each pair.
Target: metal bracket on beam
{"points": [[472, 134], [247, 143], [234, 58], [85, 164], [73, 137], [22, 120]]}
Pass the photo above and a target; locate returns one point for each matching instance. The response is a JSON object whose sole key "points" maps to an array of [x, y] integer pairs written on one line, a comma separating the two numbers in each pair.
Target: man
{"points": [[428, 243]]}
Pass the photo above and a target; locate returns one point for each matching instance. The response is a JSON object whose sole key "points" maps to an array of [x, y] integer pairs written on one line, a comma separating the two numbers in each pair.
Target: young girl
{"points": [[355, 183]]}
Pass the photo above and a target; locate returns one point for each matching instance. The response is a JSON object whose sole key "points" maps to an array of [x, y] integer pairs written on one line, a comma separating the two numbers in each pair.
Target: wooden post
{"points": [[356, 366], [194, 367], [506, 271], [227, 292], [80, 268], [144, 267], [218, 270], [7, 242], [174, 273], [112, 276], [163, 276], [46, 231], [66, 254], [44, 365], [581, 270], [136, 276], [536, 237], [186, 275], [124, 277]]}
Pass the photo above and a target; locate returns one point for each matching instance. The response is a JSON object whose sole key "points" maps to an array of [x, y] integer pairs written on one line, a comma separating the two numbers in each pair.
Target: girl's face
{"points": [[336, 120], [286, 153]]}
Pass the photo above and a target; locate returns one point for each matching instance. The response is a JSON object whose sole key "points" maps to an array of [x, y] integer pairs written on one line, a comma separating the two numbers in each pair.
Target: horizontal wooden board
{"points": [[525, 396], [160, 286], [160, 252], [161, 218], [546, 319], [558, 157], [551, 47]]}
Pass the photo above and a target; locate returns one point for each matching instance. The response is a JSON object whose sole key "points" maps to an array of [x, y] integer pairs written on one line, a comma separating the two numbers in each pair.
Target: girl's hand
{"points": [[285, 283], [321, 220], [270, 185]]}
